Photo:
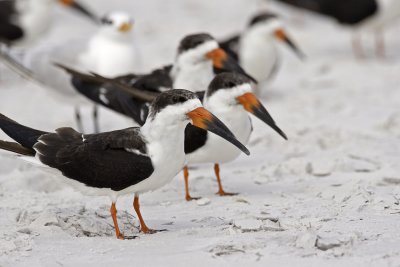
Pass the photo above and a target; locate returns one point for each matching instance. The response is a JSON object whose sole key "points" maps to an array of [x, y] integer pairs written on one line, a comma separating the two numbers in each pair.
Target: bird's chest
{"points": [[194, 78], [168, 158], [259, 57]]}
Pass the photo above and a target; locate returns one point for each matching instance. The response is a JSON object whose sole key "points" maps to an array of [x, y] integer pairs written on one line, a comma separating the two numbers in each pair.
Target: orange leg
{"points": [[221, 191], [143, 226], [113, 211], [186, 175]]}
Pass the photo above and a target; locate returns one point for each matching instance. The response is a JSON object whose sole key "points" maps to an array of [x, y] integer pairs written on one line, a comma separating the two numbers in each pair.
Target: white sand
{"points": [[328, 197]]}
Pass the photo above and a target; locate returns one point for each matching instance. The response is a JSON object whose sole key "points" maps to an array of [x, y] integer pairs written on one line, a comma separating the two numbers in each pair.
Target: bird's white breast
{"points": [[194, 77], [258, 55]]}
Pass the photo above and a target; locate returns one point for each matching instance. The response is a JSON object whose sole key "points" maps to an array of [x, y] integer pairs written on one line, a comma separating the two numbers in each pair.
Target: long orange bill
{"points": [[224, 63], [80, 9], [281, 35], [204, 119], [254, 106]]}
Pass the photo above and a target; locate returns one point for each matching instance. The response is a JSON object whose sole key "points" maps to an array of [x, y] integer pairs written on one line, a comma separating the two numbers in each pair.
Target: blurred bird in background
{"points": [[256, 47], [110, 52], [361, 15], [23, 22]]}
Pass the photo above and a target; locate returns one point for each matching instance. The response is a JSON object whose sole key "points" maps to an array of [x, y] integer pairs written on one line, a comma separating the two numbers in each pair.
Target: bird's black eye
{"points": [[230, 85], [106, 21], [178, 99]]}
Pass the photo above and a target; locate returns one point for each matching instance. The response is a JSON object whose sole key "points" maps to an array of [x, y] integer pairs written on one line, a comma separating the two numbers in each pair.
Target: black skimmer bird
{"points": [[109, 52], [256, 47], [22, 22], [230, 96], [372, 15], [134, 160], [198, 59]]}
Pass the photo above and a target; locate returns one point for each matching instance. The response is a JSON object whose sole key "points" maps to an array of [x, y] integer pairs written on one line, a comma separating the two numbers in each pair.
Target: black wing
{"points": [[231, 46], [24, 135], [117, 95], [9, 30], [113, 98], [345, 11], [114, 160], [157, 81]]}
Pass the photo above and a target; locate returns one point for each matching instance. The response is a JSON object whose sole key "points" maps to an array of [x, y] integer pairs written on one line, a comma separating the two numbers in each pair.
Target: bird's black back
{"points": [[114, 160], [345, 11]]}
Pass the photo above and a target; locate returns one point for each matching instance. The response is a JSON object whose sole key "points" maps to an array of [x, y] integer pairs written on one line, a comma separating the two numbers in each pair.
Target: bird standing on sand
{"points": [[133, 160], [230, 97], [23, 22], [109, 52]]}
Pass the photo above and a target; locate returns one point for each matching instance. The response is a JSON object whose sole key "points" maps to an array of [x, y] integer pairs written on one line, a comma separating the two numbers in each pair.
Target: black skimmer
{"points": [[22, 22], [256, 47], [133, 160], [109, 52], [372, 15], [230, 96], [198, 59]]}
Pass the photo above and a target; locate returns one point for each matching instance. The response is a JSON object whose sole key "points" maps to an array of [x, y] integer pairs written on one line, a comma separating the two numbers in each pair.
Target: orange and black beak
{"points": [[222, 62], [204, 119], [281, 35], [80, 9], [254, 106]]}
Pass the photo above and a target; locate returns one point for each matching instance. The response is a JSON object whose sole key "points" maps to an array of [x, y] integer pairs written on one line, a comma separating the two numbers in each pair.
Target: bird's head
{"points": [[203, 48], [117, 23], [229, 91], [268, 25], [180, 107]]}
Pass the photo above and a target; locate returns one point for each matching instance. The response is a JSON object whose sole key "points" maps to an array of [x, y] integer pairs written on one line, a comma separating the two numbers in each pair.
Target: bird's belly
{"points": [[260, 63], [164, 171]]}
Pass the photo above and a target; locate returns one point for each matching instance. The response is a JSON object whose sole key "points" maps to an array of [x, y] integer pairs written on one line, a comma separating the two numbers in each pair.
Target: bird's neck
{"points": [[193, 76], [165, 135], [254, 39]]}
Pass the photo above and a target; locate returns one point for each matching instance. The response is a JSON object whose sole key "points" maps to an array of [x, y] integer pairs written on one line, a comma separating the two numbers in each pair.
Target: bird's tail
{"points": [[16, 148], [23, 135]]}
